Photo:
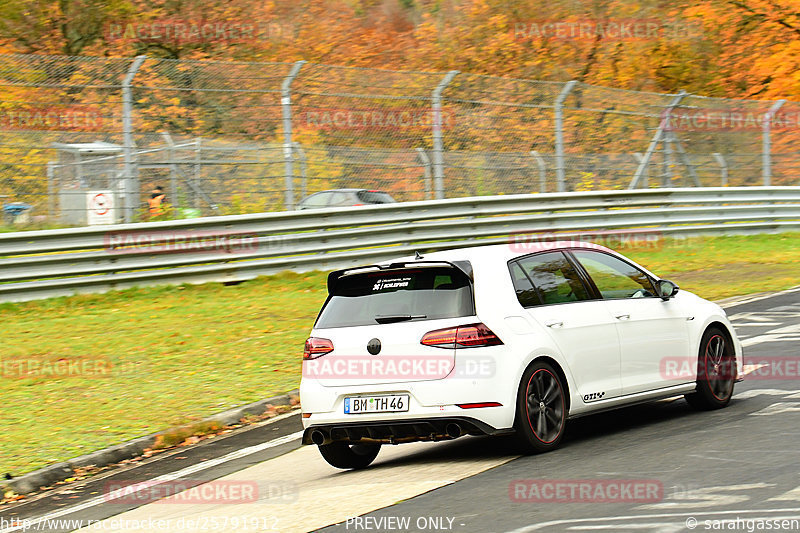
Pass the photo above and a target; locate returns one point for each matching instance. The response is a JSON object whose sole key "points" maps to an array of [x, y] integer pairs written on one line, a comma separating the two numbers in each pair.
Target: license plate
{"points": [[375, 404]]}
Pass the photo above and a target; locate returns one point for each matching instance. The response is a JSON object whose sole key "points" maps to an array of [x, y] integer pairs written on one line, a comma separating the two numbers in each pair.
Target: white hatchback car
{"points": [[491, 340]]}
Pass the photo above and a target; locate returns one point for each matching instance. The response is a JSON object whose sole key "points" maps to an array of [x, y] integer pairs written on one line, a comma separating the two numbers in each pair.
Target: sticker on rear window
{"points": [[391, 283]]}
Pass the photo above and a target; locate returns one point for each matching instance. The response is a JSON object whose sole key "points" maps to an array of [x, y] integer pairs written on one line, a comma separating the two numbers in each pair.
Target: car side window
{"points": [[554, 279], [526, 293], [336, 198], [316, 200], [374, 197], [614, 277]]}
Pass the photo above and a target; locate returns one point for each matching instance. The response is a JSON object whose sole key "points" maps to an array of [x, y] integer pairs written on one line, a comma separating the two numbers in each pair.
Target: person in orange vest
{"points": [[156, 201]]}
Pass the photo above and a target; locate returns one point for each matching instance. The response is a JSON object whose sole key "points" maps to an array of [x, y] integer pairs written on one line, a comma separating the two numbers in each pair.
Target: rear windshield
{"points": [[375, 197], [397, 296]]}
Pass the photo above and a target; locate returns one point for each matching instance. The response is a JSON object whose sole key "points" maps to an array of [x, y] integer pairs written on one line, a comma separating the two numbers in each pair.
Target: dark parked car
{"points": [[344, 198]]}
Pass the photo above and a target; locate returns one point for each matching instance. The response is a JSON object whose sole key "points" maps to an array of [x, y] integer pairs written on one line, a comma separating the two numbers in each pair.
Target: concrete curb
{"points": [[48, 475]]}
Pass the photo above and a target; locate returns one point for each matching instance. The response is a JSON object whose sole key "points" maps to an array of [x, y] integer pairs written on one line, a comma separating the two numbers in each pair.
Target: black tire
{"points": [[541, 413], [716, 372], [349, 456]]}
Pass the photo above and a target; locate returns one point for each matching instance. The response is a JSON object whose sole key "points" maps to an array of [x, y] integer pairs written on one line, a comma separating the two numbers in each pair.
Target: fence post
{"points": [[286, 112], [438, 159], [559, 124], [542, 170], [301, 155], [663, 125], [766, 142], [723, 168], [130, 187], [198, 168], [426, 166], [173, 171], [687, 162], [639, 157], [667, 175], [51, 190]]}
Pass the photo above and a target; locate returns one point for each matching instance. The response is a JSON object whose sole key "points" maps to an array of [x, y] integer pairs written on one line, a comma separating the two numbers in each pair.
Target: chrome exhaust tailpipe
{"points": [[453, 430], [319, 438]]}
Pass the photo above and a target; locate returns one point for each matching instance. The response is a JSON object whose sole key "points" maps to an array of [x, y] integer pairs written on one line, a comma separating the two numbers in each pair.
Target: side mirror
{"points": [[666, 289]]}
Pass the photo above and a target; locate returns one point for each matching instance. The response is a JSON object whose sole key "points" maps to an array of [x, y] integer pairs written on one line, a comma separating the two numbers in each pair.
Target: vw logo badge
{"points": [[374, 346]]}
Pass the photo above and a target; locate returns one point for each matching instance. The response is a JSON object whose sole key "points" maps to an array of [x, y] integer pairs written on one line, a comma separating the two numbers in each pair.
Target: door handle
{"points": [[554, 324], [623, 317]]}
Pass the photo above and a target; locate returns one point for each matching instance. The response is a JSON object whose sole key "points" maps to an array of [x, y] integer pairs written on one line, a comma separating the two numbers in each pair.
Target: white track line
{"points": [[205, 465], [698, 513]]}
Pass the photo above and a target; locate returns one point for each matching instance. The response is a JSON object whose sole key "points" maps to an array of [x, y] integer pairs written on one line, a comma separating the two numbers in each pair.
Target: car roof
{"points": [[483, 257], [348, 190], [487, 256], [507, 251]]}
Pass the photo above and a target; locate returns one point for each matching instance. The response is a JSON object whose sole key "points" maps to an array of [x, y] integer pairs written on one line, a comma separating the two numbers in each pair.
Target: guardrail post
{"points": [[438, 156], [723, 168], [286, 112], [558, 107], [130, 185], [426, 166], [766, 142], [662, 126], [542, 170]]}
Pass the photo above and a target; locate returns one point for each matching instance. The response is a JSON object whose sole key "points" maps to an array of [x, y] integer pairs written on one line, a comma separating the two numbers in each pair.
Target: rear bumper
{"points": [[400, 431]]}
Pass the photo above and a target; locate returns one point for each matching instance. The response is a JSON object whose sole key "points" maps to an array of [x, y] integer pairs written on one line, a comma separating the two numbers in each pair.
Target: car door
{"points": [[554, 295], [650, 329]]}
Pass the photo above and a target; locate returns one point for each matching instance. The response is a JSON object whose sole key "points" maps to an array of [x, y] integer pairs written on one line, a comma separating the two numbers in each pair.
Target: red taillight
{"points": [[440, 337], [316, 347], [471, 336], [479, 405]]}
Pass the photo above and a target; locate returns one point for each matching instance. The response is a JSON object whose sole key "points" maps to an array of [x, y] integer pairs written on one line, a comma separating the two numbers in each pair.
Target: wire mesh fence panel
{"points": [[225, 137], [56, 115], [209, 133]]}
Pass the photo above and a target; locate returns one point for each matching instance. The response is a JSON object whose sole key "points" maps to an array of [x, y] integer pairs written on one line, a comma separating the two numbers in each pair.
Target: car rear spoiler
{"points": [[336, 275]]}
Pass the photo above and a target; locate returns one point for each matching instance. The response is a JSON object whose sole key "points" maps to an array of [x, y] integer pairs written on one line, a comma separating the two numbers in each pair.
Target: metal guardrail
{"points": [[42, 264]]}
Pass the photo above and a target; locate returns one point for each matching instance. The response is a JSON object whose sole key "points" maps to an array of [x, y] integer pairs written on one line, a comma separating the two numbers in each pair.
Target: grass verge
{"points": [[177, 354]]}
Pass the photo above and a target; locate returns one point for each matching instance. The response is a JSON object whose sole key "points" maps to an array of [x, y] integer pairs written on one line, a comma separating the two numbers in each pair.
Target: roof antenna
{"points": [[417, 256]]}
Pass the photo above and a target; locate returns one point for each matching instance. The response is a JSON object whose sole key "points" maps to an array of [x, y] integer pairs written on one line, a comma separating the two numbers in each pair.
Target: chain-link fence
{"points": [[85, 140]]}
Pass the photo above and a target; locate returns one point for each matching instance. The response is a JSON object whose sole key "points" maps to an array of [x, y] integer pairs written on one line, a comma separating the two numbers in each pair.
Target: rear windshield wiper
{"points": [[388, 319]]}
